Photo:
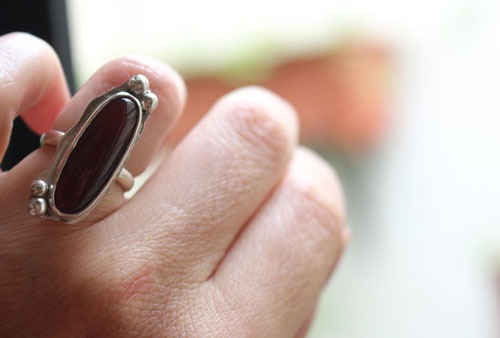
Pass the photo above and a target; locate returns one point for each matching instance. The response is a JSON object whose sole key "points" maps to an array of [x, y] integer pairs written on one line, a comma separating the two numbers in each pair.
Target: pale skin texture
{"points": [[234, 235]]}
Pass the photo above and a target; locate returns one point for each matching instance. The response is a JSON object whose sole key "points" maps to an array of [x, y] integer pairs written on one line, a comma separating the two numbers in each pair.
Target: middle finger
{"points": [[193, 207]]}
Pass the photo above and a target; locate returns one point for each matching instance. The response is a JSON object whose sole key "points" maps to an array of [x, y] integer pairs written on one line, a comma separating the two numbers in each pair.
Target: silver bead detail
{"points": [[37, 207], [39, 188], [149, 101], [138, 84]]}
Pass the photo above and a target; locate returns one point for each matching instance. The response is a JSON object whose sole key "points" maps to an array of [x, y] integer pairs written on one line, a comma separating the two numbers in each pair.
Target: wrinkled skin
{"points": [[234, 235]]}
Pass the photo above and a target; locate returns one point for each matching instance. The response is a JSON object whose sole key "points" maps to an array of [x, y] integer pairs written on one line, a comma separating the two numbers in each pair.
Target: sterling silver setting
{"points": [[41, 201], [52, 138]]}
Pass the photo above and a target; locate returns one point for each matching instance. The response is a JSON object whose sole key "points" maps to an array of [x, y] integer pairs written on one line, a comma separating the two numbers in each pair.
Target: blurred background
{"points": [[401, 97]]}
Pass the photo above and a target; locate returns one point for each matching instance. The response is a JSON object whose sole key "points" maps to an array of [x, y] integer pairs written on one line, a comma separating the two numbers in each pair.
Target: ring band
{"points": [[92, 154], [52, 138]]}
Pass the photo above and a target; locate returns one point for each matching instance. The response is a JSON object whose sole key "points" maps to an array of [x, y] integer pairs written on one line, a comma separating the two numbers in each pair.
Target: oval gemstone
{"points": [[96, 155]]}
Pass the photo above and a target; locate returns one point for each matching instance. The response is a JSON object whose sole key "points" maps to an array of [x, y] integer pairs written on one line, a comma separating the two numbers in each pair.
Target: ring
{"points": [[53, 137], [92, 154]]}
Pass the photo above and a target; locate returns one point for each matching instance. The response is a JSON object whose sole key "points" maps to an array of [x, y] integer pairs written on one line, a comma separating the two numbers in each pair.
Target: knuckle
{"points": [[21, 53], [316, 209], [256, 127], [164, 80], [19, 41], [317, 196], [25, 37], [262, 120], [19, 49]]}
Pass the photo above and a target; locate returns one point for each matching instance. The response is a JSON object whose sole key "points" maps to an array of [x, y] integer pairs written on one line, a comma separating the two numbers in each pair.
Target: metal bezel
{"points": [[69, 141]]}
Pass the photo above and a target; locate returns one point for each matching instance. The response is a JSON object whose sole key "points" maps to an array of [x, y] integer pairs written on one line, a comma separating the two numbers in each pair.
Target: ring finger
{"points": [[170, 91]]}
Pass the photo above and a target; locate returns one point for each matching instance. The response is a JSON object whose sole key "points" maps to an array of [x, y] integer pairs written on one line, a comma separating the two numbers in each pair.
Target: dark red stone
{"points": [[96, 155]]}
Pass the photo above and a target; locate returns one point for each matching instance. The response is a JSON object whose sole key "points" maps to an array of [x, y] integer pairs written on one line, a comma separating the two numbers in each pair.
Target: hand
{"points": [[234, 235]]}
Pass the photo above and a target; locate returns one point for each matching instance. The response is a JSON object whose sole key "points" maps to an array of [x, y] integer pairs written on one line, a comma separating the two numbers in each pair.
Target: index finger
{"points": [[32, 84]]}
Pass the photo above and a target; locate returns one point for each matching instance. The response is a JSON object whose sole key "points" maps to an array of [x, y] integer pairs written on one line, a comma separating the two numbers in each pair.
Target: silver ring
{"points": [[92, 154], [53, 137]]}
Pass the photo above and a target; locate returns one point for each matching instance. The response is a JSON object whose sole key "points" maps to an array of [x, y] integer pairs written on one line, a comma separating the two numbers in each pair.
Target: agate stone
{"points": [[96, 155]]}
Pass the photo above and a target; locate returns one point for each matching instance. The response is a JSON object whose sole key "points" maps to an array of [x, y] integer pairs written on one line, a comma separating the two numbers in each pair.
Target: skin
{"points": [[234, 235]]}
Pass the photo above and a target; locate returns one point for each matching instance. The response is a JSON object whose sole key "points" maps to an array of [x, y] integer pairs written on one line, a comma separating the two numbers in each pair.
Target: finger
{"points": [[214, 181], [32, 84], [170, 91], [164, 82], [306, 325], [287, 251]]}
